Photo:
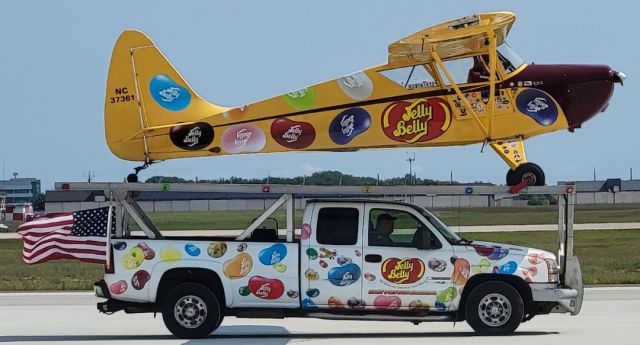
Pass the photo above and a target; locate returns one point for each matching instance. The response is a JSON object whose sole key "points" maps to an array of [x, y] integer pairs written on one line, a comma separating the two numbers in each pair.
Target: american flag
{"points": [[79, 235]]}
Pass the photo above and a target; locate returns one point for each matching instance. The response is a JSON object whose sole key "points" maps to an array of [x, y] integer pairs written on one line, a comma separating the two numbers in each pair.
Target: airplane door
{"points": [[398, 275], [331, 265]]}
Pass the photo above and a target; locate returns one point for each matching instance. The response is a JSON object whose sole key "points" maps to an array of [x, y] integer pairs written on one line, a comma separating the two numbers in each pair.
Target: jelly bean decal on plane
{"points": [[243, 138], [417, 121], [356, 85], [192, 137], [169, 94], [538, 105], [302, 99], [293, 134], [349, 124]]}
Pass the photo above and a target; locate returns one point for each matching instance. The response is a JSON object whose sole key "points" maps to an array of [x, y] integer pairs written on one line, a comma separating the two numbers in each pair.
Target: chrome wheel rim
{"points": [[494, 310], [190, 311]]}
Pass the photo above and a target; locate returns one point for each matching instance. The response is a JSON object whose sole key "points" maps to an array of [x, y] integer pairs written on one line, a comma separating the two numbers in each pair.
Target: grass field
{"points": [[226, 220], [607, 257]]}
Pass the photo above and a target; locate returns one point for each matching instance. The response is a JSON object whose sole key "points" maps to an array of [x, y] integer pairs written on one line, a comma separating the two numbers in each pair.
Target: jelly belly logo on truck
{"points": [[403, 271], [418, 121]]}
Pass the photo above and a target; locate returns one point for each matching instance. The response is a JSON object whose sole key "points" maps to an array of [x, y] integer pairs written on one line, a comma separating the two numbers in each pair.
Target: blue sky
{"points": [[55, 56]]}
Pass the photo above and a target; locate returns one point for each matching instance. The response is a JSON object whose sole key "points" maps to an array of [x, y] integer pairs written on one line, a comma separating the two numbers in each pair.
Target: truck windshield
{"points": [[509, 59], [441, 227]]}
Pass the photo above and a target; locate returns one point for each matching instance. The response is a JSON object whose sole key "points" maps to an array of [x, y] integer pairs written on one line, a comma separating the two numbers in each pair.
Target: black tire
{"points": [[191, 311], [505, 315], [526, 170]]}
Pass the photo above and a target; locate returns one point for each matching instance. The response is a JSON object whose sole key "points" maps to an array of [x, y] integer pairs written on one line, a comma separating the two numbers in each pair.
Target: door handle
{"points": [[373, 258]]}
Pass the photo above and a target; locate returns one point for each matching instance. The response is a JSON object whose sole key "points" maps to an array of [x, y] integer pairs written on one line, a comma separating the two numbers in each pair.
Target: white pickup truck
{"points": [[355, 259]]}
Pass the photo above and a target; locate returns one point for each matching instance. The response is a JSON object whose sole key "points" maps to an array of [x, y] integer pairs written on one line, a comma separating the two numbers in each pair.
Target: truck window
{"points": [[337, 226], [394, 228]]}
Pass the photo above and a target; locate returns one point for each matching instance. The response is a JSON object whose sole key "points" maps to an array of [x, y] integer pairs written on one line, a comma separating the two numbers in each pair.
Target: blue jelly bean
{"points": [[191, 249], [538, 105], [308, 304], [349, 124], [508, 268], [272, 255], [498, 253], [169, 94], [344, 275], [441, 306]]}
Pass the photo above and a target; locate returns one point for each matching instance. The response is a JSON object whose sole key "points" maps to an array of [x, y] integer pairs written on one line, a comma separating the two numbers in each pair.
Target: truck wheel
{"points": [[494, 308], [191, 311]]}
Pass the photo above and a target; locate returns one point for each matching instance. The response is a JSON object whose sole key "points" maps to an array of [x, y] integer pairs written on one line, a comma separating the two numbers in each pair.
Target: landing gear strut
{"points": [[530, 172], [133, 178]]}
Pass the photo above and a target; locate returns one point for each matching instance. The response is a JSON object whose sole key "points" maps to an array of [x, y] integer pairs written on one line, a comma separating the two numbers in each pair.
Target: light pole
{"points": [[411, 160]]}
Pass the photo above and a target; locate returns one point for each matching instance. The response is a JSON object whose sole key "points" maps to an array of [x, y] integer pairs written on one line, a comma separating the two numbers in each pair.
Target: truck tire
{"points": [[191, 311], [494, 308]]}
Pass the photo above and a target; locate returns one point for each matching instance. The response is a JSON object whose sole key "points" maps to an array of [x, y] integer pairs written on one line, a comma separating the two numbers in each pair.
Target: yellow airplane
{"points": [[456, 83]]}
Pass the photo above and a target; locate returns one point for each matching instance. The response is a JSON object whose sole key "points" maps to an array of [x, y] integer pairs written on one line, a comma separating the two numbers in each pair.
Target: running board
{"points": [[382, 317]]}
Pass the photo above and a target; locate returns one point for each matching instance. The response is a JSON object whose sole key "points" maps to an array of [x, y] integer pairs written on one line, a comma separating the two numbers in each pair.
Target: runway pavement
{"points": [[609, 315]]}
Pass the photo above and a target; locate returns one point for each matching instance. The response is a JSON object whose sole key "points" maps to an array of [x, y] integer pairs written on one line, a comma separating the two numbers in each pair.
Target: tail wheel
{"points": [[526, 171], [494, 308], [191, 311]]}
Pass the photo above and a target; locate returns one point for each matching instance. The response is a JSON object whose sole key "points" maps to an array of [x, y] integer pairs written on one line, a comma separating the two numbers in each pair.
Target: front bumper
{"points": [[569, 300], [569, 297]]}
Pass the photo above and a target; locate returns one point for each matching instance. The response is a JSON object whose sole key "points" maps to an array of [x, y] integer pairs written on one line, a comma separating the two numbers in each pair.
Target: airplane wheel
{"points": [[524, 171]]}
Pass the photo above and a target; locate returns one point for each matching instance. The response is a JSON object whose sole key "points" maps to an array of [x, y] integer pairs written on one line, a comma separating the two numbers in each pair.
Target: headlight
{"points": [[554, 273]]}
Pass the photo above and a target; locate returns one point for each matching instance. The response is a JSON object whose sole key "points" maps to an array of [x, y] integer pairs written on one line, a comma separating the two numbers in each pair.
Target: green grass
{"points": [[229, 220], [609, 213], [607, 257], [15, 275]]}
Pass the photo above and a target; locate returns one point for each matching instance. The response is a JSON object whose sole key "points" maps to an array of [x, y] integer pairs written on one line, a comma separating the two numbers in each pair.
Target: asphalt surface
{"points": [[610, 315]]}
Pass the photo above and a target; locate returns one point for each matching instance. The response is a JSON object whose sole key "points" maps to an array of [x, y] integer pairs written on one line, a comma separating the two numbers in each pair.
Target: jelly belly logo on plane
{"points": [[417, 121], [169, 94], [403, 271], [293, 134], [192, 137], [537, 105]]}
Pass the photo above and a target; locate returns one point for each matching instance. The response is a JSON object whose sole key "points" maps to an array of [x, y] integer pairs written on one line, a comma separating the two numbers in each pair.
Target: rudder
{"points": [[145, 97]]}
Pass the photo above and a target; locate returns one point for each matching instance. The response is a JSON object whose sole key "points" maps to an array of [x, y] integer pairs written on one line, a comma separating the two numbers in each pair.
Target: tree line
{"points": [[320, 178]]}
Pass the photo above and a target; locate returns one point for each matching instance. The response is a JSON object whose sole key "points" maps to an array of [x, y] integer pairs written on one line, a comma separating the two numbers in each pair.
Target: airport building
{"points": [[19, 191]]}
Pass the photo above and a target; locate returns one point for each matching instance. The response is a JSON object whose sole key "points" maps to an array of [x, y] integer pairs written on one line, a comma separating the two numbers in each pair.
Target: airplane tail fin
{"points": [[146, 97]]}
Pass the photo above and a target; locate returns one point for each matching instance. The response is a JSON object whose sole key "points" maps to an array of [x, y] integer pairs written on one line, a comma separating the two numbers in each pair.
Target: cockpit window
{"points": [[411, 77], [509, 59]]}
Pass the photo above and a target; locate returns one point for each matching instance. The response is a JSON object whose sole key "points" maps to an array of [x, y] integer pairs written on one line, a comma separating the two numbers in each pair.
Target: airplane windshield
{"points": [[509, 59]]}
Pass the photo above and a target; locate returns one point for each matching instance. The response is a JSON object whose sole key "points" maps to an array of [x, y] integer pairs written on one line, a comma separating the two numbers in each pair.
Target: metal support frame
{"points": [[285, 198], [123, 198]]}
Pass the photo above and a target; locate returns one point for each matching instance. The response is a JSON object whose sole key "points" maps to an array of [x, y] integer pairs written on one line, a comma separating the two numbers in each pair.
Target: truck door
{"points": [[331, 261], [397, 274]]}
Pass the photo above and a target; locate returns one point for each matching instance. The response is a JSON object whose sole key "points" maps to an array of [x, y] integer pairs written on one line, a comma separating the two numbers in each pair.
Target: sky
{"points": [[54, 57]]}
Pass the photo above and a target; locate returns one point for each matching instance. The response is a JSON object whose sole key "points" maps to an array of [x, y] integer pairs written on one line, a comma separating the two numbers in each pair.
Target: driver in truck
{"points": [[384, 229]]}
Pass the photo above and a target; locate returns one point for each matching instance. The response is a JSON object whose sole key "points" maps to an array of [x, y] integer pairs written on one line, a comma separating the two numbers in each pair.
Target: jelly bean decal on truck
{"points": [[403, 271]]}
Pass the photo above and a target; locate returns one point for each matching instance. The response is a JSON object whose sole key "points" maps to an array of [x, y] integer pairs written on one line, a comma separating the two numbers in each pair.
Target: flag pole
{"points": [[109, 221]]}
